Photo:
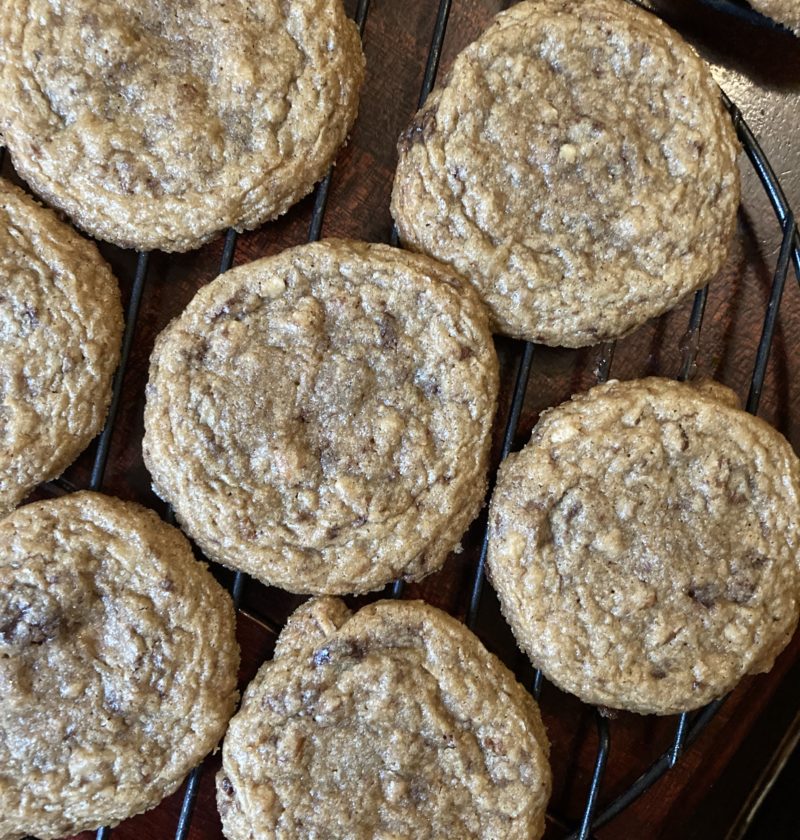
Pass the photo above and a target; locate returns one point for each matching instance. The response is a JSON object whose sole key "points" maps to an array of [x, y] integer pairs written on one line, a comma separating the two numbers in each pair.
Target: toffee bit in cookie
{"points": [[577, 166], [28, 616], [423, 734], [334, 434], [644, 544], [322, 656]]}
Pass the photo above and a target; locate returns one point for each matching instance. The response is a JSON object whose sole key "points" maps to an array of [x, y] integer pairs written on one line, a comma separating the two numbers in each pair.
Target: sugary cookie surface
{"points": [[157, 124], [645, 544], [390, 722], [118, 664], [321, 419], [577, 166], [60, 332]]}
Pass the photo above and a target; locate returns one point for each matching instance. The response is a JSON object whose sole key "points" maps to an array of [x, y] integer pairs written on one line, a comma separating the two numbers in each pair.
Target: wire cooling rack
{"points": [[689, 725]]}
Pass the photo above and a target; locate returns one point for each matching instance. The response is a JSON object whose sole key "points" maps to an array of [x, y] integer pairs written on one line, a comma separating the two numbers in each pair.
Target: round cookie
{"points": [[786, 12], [390, 722], [321, 419], [644, 545], [157, 124], [61, 328], [118, 663], [577, 166]]}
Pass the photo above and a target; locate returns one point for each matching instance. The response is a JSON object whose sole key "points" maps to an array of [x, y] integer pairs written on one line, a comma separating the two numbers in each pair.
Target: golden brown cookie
{"points": [[786, 12], [390, 722], [60, 333], [321, 419], [156, 124], [118, 663], [577, 166], [644, 545]]}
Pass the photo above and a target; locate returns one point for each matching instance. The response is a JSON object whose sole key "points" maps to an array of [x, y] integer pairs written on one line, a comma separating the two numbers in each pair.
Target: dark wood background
{"points": [[706, 796]]}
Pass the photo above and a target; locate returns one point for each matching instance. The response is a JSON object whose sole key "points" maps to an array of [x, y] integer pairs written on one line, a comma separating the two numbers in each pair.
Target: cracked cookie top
{"points": [[118, 664], [157, 124], [577, 166], [390, 722], [321, 419], [60, 333], [644, 545]]}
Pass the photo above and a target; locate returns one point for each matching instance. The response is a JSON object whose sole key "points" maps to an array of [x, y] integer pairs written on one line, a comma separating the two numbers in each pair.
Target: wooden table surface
{"points": [[760, 69]]}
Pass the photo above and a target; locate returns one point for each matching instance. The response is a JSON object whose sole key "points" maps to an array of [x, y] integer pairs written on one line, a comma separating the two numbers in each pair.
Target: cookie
{"points": [[577, 166], [644, 545], [61, 327], [321, 419], [156, 125], [118, 664], [786, 12], [390, 722]]}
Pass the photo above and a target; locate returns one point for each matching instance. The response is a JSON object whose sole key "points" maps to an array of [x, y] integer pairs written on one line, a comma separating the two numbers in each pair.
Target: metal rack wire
{"points": [[689, 726], [743, 11]]}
